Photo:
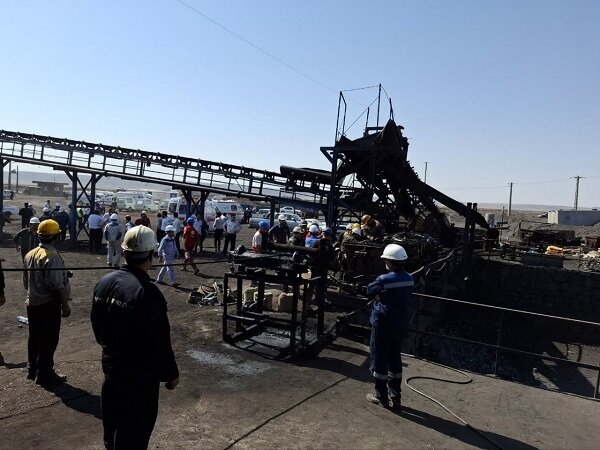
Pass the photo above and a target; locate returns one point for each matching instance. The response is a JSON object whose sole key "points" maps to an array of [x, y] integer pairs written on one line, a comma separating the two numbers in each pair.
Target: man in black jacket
{"points": [[129, 318]]}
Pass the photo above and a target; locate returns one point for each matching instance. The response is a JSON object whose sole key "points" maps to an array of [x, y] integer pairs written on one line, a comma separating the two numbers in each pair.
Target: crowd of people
{"points": [[129, 314]]}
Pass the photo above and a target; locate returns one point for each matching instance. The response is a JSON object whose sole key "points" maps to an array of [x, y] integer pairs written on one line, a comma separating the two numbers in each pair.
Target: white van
{"points": [[125, 203], [228, 207], [146, 205], [180, 205]]}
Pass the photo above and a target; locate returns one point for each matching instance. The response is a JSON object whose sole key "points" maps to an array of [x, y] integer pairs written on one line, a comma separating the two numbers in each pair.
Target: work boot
{"points": [[51, 380], [395, 403], [377, 400], [175, 285]]}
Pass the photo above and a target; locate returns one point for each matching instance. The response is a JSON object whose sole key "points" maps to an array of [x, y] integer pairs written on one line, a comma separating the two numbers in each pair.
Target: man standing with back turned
{"points": [[392, 292], [48, 292], [129, 318]]}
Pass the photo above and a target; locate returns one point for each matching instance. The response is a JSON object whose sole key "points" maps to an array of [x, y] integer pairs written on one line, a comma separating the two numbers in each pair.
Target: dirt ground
{"points": [[234, 397]]}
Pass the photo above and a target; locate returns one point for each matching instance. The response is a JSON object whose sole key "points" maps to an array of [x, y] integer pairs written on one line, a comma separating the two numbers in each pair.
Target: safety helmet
{"points": [[394, 252], [328, 230], [297, 230], [46, 209], [357, 231], [314, 229], [61, 209], [263, 224], [143, 213], [191, 220], [139, 239], [58, 204], [34, 220], [48, 227], [349, 227], [365, 219], [114, 216], [356, 226], [169, 228], [281, 217]]}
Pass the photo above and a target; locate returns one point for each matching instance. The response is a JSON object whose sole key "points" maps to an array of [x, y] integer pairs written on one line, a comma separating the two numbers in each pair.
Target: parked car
{"points": [[262, 212], [291, 210], [291, 219], [11, 210]]}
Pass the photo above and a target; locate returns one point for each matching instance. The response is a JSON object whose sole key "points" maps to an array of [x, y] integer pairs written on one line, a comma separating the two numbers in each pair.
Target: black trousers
{"points": [[129, 411], [177, 243], [44, 331], [218, 236], [95, 240], [159, 235], [229, 238]]}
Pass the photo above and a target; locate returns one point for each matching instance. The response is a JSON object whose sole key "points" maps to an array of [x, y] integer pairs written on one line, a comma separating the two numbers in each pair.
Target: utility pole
{"points": [[510, 198], [577, 178], [425, 176]]}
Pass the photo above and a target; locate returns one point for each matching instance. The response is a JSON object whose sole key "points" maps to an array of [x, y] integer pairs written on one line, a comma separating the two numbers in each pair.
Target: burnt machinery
{"points": [[281, 265], [372, 175]]}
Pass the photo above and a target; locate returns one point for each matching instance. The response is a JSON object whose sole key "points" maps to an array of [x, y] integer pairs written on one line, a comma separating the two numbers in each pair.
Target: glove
{"points": [[170, 385], [66, 310]]}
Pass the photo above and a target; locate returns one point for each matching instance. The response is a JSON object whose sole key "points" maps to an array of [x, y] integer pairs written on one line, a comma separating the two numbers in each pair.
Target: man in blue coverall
{"points": [[391, 292]]}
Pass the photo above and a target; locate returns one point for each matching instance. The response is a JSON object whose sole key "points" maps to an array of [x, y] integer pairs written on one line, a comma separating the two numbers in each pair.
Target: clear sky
{"points": [[488, 91]]}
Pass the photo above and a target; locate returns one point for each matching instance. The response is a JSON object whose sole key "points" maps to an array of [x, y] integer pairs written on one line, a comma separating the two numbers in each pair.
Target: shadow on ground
{"points": [[461, 432], [78, 399]]}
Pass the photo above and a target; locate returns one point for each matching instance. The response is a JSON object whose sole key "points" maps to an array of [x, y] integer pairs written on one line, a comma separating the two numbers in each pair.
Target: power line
{"points": [[252, 44]]}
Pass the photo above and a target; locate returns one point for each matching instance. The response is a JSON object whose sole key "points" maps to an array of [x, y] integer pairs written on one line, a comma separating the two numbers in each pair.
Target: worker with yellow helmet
{"points": [[48, 292], [371, 228]]}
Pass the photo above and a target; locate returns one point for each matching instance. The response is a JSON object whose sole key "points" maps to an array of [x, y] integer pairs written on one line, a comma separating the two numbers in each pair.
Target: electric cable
{"points": [[468, 380], [260, 49], [198, 263]]}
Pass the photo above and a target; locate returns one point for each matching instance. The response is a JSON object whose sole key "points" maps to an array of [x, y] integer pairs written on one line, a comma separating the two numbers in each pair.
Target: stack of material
{"points": [[554, 250], [591, 261]]}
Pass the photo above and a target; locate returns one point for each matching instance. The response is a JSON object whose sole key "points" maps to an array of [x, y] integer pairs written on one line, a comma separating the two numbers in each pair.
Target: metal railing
{"points": [[497, 346]]}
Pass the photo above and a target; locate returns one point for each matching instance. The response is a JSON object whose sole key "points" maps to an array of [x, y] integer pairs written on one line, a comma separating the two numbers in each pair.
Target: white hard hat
{"points": [[46, 209], [143, 212], [34, 220], [61, 209], [313, 229], [169, 228], [114, 216], [349, 226], [139, 239], [394, 252], [58, 204], [281, 217]]}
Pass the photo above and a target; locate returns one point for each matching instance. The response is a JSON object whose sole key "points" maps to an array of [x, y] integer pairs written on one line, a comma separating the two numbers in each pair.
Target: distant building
{"points": [[578, 218], [46, 188]]}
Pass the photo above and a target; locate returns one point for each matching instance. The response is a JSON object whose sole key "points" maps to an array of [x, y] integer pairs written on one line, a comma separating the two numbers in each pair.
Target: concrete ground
{"points": [[232, 397]]}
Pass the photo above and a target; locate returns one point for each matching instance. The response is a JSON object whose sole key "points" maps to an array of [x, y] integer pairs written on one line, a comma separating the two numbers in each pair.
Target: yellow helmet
{"points": [[48, 227], [356, 226]]}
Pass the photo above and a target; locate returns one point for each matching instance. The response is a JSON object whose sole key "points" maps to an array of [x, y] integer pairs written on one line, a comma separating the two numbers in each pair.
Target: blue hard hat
{"points": [[190, 220], [263, 224]]}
